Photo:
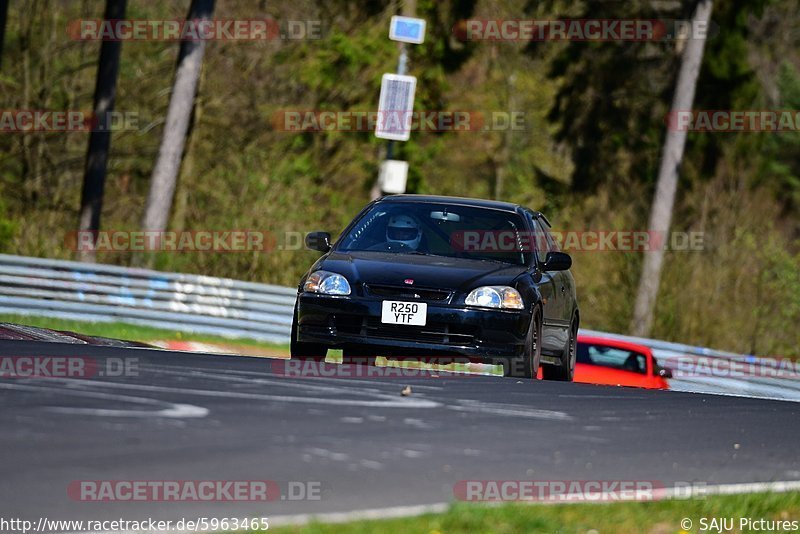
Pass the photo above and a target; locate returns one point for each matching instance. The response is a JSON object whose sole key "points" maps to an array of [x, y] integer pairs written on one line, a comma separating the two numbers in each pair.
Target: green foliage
{"points": [[8, 228], [621, 517], [587, 155]]}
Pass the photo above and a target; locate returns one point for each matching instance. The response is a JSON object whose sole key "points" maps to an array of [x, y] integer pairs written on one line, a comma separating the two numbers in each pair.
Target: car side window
{"points": [[539, 241], [624, 360], [552, 244]]}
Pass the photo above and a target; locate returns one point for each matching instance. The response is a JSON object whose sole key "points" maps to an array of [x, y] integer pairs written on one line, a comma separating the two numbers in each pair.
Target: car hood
{"points": [[426, 271]]}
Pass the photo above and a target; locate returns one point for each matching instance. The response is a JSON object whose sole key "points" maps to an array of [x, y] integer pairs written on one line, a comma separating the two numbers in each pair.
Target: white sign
{"points": [[395, 107], [393, 176], [407, 30]]}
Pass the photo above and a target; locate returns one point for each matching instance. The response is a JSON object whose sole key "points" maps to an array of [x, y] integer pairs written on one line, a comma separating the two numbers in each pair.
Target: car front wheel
{"points": [[528, 365], [305, 351], [565, 371]]}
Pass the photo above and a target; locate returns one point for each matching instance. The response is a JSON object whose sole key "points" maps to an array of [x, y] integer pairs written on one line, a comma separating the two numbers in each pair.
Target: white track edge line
{"points": [[395, 512]]}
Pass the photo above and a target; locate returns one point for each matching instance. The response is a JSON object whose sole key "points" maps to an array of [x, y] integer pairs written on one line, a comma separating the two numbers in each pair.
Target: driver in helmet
{"points": [[403, 231]]}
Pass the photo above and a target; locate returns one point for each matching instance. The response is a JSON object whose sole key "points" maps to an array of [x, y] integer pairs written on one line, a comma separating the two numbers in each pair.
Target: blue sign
{"points": [[407, 30]]}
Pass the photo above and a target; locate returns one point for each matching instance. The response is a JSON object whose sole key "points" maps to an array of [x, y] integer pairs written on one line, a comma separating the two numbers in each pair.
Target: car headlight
{"points": [[495, 297], [327, 283]]}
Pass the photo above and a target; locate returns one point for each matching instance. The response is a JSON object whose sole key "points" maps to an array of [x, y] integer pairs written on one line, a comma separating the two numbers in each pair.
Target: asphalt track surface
{"points": [[181, 416]]}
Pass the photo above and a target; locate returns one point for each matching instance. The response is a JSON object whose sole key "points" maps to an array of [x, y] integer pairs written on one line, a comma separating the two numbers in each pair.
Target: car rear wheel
{"points": [[528, 365], [565, 371], [305, 351]]}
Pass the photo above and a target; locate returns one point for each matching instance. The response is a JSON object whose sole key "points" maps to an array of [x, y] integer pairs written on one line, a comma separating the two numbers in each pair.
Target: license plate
{"points": [[411, 313]]}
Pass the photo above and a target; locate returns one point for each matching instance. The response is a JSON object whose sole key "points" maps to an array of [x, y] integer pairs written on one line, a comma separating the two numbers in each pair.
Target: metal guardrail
{"points": [[108, 293], [191, 303], [231, 308], [667, 348], [729, 374]]}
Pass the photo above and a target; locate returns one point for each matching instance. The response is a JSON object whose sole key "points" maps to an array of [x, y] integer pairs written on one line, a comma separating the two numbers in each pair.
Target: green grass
{"points": [[131, 332], [663, 517]]}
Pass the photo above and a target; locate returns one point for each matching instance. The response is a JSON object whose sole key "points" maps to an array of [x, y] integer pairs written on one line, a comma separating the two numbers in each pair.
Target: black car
{"points": [[418, 276]]}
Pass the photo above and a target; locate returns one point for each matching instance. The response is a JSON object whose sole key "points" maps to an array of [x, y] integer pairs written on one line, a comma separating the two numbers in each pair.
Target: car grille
{"points": [[372, 327], [406, 292]]}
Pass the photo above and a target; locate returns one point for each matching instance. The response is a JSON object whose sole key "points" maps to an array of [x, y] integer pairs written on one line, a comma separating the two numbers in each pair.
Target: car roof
{"points": [[460, 201], [616, 343]]}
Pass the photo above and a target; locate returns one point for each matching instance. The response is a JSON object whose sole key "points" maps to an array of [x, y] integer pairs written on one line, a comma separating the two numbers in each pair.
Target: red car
{"points": [[618, 363]]}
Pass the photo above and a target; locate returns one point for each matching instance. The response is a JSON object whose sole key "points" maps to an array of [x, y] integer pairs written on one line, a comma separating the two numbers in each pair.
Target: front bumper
{"points": [[354, 322]]}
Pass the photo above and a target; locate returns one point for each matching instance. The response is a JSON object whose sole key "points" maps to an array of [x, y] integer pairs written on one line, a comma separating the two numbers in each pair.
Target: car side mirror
{"points": [[665, 373], [557, 261], [320, 241]]}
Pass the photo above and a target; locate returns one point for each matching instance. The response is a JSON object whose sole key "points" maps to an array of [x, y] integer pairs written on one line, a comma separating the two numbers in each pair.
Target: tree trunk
{"points": [[105, 90], [165, 173], [3, 17], [503, 158], [661, 211]]}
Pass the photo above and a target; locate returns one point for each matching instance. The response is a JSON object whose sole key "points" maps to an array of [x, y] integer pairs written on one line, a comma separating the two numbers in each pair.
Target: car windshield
{"points": [[612, 357], [439, 229]]}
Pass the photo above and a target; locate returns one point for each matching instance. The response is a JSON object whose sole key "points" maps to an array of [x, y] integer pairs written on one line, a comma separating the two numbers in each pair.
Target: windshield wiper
{"points": [[494, 260]]}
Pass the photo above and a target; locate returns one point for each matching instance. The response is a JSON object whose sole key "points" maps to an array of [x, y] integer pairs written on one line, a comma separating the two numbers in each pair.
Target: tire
{"points": [[565, 371], [305, 351], [528, 365], [357, 357]]}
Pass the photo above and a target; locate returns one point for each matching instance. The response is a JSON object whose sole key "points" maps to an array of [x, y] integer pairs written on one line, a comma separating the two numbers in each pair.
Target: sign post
{"points": [[396, 104]]}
